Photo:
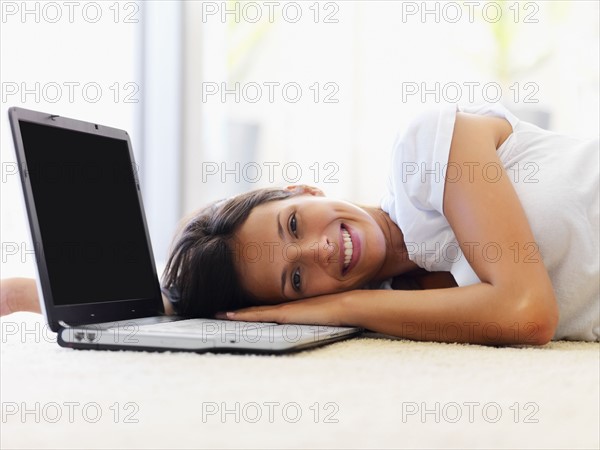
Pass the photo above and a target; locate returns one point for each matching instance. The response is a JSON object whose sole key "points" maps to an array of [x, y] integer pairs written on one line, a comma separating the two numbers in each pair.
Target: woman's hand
{"points": [[323, 310]]}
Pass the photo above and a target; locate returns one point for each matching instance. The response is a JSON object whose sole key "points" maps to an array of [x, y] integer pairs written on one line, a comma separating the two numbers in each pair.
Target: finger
{"points": [[230, 314], [255, 314]]}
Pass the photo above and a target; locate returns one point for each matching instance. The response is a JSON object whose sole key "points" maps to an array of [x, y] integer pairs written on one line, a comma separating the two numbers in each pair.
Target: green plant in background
{"points": [[244, 40], [510, 40]]}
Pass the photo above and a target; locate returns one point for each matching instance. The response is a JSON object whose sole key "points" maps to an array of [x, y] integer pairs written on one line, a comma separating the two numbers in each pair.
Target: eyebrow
{"points": [[284, 273], [279, 227]]}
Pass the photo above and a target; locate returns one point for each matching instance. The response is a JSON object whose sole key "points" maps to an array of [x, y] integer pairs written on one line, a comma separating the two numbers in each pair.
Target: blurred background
{"points": [[223, 97]]}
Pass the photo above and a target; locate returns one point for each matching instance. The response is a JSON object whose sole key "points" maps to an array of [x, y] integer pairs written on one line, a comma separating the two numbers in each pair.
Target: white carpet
{"points": [[364, 384]]}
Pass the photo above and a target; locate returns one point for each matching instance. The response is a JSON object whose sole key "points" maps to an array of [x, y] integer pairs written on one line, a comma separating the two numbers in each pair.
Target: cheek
{"points": [[252, 280], [376, 242], [319, 283]]}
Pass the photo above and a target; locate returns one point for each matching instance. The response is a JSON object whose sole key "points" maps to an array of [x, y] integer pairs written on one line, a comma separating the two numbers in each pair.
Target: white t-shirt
{"points": [[556, 178]]}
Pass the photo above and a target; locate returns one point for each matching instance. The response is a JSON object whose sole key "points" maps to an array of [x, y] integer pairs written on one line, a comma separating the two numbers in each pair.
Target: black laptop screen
{"points": [[91, 224]]}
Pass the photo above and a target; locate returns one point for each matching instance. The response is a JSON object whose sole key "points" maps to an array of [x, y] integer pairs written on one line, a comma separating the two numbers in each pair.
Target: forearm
{"points": [[478, 314], [18, 294]]}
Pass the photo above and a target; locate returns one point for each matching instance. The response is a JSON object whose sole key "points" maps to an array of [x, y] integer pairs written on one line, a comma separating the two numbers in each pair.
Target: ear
{"points": [[305, 189]]}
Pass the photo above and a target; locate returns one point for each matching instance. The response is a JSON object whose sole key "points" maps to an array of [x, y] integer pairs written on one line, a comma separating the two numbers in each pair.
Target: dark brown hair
{"points": [[200, 274]]}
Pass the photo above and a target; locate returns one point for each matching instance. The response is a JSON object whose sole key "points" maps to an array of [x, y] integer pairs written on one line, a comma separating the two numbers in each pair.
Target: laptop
{"points": [[97, 279]]}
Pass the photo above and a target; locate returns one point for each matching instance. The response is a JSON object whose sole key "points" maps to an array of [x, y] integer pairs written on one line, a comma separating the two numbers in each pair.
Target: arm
{"points": [[514, 303], [18, 294], [515, 299]]}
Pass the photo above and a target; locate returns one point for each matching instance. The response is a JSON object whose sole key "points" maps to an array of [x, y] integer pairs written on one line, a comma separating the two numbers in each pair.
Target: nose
{"points": [[320, 251]]}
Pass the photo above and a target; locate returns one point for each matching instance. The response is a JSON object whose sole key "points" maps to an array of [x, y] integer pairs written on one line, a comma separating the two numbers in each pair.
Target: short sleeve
{"points": [[491, 109], [416, 188], [427, 149]]}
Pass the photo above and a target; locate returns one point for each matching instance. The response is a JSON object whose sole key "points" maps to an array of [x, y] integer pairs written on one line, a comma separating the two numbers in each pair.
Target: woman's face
{"points": [[305, 246]]}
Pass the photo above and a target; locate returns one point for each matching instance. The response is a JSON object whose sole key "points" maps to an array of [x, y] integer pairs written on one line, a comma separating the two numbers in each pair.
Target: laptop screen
{"points": [[91, 226]]}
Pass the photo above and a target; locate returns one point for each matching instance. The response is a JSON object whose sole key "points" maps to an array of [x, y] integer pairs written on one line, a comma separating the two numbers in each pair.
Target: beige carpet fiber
{"points": [[368, 392]]}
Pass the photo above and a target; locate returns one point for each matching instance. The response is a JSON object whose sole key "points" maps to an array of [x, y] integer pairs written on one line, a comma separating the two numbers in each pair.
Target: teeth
{"points": [[348, 248]]}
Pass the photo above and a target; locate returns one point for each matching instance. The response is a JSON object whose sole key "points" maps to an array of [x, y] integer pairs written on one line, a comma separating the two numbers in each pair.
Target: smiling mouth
{"points": [[348, 248]]}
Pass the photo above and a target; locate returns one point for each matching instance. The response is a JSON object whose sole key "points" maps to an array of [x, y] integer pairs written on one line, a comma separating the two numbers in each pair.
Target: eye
{"points": [[296, 280], [293, 224]]}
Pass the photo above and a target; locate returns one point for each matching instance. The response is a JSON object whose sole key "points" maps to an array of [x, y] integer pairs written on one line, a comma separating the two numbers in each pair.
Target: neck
{"points": [[396, 261]]}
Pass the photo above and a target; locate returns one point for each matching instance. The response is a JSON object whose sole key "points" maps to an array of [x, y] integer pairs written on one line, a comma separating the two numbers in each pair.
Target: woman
{"points": [[489, 230]]}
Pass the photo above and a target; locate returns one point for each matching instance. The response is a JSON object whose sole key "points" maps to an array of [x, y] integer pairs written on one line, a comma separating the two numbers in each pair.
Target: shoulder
{"points": [[433, 129], [468, 126], [420, 157]]}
